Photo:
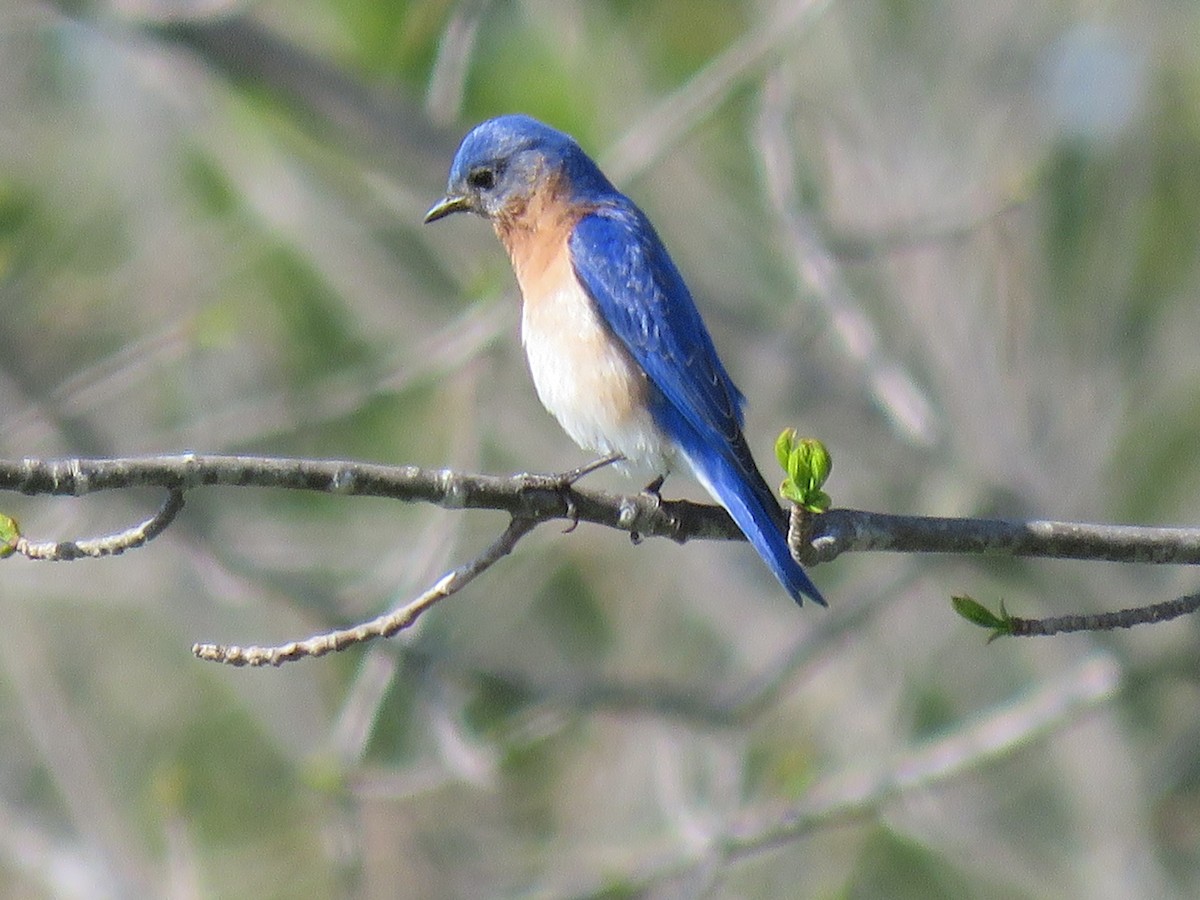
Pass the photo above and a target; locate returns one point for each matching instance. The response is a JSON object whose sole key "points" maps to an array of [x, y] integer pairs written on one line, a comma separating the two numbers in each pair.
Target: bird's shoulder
{"points": [[617, 253], [629, 276]]}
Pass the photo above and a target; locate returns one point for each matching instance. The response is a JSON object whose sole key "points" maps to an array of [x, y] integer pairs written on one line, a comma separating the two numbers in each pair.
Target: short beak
{"points": [[451, 203]]}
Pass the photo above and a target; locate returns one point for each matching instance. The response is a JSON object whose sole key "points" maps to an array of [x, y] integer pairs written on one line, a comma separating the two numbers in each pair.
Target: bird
{"points": [[618, 351]]}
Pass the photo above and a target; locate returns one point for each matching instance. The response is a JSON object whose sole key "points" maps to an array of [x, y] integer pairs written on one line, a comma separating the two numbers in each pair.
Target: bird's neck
{"points": [[534, 230]]}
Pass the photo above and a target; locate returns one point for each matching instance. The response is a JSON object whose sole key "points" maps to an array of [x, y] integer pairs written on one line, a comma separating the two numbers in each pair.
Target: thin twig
{"points": [[1122, 618], [105, 545], [382, 627]]}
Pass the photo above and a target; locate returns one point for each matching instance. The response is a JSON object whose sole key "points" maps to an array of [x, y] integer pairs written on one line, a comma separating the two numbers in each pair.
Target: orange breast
{"points": [[534, 231], [583, 374]]}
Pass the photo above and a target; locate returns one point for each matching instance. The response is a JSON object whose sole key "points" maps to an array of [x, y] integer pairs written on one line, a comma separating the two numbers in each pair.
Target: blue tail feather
{"points": [[740, 488]]}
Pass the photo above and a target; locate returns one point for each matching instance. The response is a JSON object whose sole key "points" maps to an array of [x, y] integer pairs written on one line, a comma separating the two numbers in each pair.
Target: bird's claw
{"points": [[569, 478], [572, 510], [653, 490], [563, 482]]}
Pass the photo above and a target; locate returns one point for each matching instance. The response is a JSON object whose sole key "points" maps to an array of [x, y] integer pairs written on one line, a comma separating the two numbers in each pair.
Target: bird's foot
{"points": [[563, 482], [653, 489]]}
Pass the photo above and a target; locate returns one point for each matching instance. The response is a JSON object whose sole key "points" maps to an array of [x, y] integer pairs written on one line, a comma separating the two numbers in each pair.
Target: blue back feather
{"points": [[625, 268]]}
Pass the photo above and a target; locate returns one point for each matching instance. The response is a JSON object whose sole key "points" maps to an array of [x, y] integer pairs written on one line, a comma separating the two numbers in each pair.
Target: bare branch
{"points": [[544, 497], [842, 530], [105, 545], [1122, 618], [533, 499], [384, 626], [538, 497]]}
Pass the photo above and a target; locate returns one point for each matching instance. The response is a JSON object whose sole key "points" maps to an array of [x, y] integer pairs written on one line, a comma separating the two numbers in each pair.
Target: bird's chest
{"points": [[583, 375]]}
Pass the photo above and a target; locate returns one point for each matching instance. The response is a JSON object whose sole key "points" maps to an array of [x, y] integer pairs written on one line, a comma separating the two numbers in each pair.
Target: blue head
{"points": [[503, 161]]}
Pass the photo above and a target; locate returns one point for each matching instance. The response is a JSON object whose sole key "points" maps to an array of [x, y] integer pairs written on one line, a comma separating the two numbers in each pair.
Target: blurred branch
{"points": [[815, 269], [855, 795], [916, 235], [708, 706], [252, 54], [693, 102], [448, 79], [999, 732]]}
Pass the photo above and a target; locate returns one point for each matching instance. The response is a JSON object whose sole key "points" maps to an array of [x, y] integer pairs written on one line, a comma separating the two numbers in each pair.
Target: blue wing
{"points": [[625, 269]]}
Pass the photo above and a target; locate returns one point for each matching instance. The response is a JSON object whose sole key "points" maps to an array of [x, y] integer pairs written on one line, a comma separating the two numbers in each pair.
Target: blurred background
{"points": [[958, 243]]}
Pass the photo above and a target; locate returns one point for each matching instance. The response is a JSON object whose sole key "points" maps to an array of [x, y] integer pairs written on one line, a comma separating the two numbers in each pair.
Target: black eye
{"points": [[482, 179]]}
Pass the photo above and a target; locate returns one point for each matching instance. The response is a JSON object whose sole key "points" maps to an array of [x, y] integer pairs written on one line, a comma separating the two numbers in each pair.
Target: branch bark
{"points": [[534, 499], [537, 497], [545, 497]]}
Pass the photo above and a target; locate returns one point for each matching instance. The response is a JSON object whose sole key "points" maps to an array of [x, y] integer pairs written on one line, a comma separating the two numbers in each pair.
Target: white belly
{"points": [[588, 382]]}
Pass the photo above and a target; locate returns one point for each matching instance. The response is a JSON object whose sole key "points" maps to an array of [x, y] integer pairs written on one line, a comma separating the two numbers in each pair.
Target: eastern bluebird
{"points": [[617, 349]]}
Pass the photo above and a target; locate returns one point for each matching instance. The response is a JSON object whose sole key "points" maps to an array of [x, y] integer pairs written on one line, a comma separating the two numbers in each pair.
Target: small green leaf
{"points": [[790, 492], [978, 614], [783, 446], [819, 501], [795, 467], [807, 463], [975, 612], [819, 462], [10, 532]]}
